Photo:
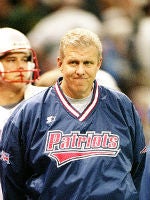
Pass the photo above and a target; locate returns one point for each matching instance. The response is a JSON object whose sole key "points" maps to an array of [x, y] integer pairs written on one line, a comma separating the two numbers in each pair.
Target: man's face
{"points": [[79, 67], [13, 64]]}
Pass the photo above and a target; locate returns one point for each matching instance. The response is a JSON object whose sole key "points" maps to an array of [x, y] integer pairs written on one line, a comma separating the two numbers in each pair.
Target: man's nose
{"points": [[21, 65], [80, 69]]}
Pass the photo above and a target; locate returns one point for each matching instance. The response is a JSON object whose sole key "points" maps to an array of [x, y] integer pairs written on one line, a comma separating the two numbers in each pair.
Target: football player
{"points": [[18, 70]]}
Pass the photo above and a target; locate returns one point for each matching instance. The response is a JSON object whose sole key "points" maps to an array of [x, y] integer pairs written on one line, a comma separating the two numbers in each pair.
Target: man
{"points": [[76, 140], [18, 68]]}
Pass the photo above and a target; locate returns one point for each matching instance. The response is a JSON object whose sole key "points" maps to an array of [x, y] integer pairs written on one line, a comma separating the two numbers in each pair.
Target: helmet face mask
{"points": [[13, 41]]}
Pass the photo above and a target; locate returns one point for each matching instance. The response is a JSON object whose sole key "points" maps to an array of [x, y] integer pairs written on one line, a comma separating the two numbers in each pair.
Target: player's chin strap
{"points": [[33, 74]]}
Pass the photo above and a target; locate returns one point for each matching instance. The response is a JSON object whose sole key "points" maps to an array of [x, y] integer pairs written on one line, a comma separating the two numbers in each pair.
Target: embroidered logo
{"points": [[65, 148], [4, 157], [50, 119], [144, 150]]}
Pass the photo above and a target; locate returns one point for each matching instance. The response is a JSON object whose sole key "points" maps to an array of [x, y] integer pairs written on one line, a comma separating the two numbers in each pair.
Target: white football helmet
{"points": [[12, 40]]}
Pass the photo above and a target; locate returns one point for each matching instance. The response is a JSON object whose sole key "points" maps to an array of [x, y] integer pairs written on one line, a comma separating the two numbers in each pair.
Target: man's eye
{"points": [[87, 63], [73, 62], [25, 60], [10, 60]]}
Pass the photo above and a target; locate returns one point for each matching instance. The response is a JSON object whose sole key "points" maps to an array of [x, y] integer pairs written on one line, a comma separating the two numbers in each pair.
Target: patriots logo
{"points": [[65, 148], [4, 157]]}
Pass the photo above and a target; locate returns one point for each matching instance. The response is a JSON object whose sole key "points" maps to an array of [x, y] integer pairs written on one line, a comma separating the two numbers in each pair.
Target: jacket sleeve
{"points": [[145, 185], [138, 142], [13, 171]]}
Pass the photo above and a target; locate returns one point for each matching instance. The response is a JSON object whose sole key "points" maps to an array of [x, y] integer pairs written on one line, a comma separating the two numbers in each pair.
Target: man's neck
{"points": [[10, 96]]}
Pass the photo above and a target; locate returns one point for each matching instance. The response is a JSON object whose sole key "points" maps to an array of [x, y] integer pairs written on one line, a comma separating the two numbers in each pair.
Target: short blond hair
{"points": [[80, 37]]}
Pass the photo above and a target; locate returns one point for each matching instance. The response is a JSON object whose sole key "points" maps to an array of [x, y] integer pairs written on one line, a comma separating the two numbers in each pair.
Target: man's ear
{"points": [[59, 63], [99, 64]]}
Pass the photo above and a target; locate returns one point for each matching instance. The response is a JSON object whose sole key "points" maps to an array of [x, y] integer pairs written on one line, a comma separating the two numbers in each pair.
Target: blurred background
{"points": [[122, 25]]}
